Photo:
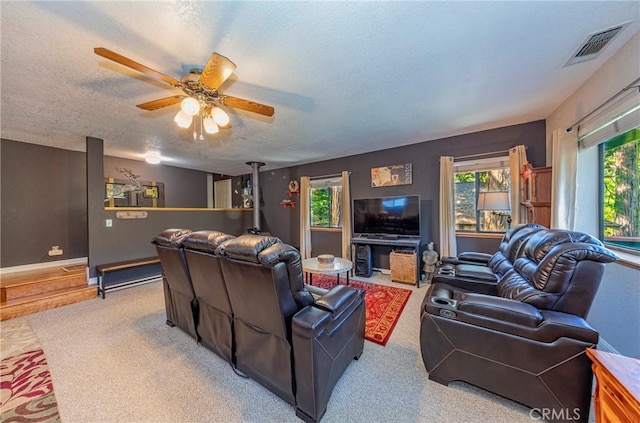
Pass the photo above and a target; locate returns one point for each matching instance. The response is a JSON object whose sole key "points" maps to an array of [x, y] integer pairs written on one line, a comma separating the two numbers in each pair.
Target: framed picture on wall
{"points": [[121, 193], [400, 174]]}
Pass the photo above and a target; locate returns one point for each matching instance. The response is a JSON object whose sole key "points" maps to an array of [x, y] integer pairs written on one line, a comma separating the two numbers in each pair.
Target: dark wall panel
{"points": [[481, 245], [131, 238], [424, 158], [182, 187], [43, 203], [324, 242]]}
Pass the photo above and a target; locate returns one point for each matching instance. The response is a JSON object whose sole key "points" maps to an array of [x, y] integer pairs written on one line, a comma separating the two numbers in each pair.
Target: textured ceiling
{"points": [[344, 77]]}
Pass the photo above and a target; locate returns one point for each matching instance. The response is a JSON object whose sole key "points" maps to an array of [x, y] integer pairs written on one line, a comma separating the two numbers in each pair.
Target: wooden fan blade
{"points": [[218, 69], [240, 103], [108, 54], [160, 103]]}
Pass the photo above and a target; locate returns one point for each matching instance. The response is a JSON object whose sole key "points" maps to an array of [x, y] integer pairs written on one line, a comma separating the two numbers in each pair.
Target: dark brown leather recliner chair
{"points": [[180, 300], [294, 345], [468, 271], [215, 318], [526, 340]]}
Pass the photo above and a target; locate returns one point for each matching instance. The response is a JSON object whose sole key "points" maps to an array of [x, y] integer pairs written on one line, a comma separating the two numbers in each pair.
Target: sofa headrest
{"points": [[514, 233], [542, 242], [171, 238], [517, 228], [515, 245], [206, 241], [246, 247]]}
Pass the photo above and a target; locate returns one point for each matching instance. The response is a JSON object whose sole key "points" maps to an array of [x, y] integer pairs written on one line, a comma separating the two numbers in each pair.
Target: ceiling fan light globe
{"points": [[219, 115], [210, 126], [190, 106], [183, 120]]}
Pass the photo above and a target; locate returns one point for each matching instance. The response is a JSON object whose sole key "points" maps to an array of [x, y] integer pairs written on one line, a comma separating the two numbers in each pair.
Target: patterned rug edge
{"points": [[379, 330], [25, 379]]}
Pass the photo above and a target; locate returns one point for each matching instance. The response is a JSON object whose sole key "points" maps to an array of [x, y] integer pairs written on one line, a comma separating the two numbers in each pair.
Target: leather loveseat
{"points": [[480, 272], [525, 339], [251, 307]]}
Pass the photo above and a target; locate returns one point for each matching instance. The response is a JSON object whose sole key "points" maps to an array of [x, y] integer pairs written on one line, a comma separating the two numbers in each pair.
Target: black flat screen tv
{"points": [[387, 216]]}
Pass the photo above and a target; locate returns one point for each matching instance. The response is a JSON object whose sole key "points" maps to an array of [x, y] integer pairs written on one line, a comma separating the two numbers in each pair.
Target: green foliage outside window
{"points": [[326, 207], [621, 190]]}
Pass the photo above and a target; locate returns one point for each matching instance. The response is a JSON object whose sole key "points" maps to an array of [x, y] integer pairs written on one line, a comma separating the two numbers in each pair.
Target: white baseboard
{"points": [[93, 281], [39, 266]]}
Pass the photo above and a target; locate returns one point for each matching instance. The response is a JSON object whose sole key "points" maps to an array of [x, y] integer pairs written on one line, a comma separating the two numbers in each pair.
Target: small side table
{"points": [[617, 393], [338, 266]]}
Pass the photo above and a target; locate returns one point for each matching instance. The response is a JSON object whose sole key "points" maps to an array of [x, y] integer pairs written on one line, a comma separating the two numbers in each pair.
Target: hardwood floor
{"points": [[31, 291]]}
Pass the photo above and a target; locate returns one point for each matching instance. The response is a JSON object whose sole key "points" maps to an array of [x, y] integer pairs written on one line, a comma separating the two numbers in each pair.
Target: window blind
{"points": [[480, 165], [617, 118]]}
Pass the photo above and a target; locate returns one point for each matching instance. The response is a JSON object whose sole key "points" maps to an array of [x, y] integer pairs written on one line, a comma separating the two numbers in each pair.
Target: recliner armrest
{"points": [[337, 299], [326, 337], [500, 309], [328, 311], [475, 257], [468, 284], [510, 316]]}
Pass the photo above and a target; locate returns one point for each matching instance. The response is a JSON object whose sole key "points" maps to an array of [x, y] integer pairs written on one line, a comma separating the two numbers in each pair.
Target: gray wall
{"points": [[43, 203], [47, 201], [615, 312], [424, 158], [130, 239], [182, 187]]}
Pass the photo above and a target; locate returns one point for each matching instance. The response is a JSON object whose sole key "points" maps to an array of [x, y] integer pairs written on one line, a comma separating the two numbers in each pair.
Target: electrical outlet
{"points": [[55, 251], [108, 223]]}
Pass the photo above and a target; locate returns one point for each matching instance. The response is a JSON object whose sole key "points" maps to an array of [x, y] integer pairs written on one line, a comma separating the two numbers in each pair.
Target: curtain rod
{"points": [[622, 91], [334, 175], [468, 156]]}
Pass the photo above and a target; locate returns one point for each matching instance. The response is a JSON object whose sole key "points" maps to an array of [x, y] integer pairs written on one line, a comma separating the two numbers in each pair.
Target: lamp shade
{"points": [[210, 126], [190, 106], [183, 120], [493, 200], [220, 116]]}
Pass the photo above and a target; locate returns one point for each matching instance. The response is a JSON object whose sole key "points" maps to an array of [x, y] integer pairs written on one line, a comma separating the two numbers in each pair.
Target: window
{"points": [[326, 203], [620, 185], [473, 178]]}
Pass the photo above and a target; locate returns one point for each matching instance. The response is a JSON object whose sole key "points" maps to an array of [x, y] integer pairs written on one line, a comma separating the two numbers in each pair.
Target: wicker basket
{"points": [[403, 266]]}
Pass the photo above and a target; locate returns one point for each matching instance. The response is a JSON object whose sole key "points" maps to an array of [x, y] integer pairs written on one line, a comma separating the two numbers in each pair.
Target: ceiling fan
{"points": [[200, 87]]}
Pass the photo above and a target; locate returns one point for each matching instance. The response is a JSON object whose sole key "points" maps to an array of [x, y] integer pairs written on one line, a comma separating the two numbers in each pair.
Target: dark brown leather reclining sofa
{"points": [[480, 272], [250, 306], [525, 337]]}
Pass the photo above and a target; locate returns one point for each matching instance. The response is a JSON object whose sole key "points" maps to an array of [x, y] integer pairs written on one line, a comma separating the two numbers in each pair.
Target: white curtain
{"points": [[346, 216], [305, 219], [517, 159], [447, 208], [564, 180]]}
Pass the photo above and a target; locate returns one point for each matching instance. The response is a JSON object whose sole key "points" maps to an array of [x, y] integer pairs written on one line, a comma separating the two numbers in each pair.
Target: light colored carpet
{"points": [[115, 360]]}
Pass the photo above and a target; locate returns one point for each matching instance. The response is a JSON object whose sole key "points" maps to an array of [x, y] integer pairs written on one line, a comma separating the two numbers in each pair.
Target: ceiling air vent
{"points": [[594, 44]]}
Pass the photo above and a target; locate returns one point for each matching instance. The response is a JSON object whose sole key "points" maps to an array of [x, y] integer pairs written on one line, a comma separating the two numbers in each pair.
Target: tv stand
{"points": [[406, 242]]}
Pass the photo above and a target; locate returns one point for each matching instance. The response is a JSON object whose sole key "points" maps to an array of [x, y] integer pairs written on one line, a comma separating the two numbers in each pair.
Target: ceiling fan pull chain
{"points": [[201, 125]]}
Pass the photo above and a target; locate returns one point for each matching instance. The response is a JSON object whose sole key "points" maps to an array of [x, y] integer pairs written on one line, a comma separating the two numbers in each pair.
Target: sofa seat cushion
{"points": [[475, 272]]}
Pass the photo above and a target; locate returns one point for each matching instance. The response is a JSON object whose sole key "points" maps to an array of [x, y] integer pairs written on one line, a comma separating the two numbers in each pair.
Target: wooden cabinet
{"points": [[536, 194], [617, 394]]}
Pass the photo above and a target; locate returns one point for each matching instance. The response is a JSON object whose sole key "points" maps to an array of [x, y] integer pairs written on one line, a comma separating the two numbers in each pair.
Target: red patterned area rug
{"points": [[26, 389], [384, 304]]}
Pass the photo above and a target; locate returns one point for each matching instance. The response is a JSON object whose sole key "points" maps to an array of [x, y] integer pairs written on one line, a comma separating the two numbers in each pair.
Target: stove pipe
{"points": [[255, 184]]}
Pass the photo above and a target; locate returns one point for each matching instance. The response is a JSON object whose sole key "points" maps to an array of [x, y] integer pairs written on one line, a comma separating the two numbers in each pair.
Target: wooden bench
{"points": [[103, 269]]}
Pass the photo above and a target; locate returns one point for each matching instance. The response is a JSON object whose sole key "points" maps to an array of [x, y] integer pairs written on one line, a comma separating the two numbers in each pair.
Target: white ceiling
{"points": [[344, 77]]}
